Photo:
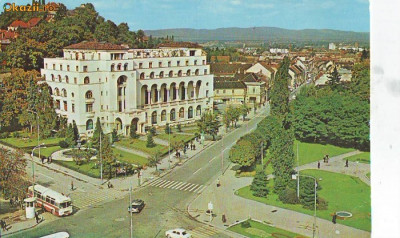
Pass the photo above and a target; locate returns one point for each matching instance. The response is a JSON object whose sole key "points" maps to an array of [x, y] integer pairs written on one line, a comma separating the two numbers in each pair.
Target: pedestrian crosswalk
{"points": [[203, 231], [83, 199], [178, 185]]}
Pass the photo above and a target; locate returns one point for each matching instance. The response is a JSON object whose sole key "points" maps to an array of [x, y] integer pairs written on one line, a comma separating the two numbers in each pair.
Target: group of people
{"points": [[4, 226], [49, 159], [326, 160]]}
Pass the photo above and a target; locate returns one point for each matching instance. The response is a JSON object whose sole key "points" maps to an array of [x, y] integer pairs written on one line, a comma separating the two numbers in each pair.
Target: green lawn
{"points": [[343, 193], [21, 143], [127, 157], [368, 175], [364, 157], [260, 230], [141, 145], [86, 168], [48, 151], [310, 152], [175, 137]]}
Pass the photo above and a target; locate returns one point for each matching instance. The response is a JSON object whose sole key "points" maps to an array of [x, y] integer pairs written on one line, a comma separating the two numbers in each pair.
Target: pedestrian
{"points": [[334, 218], [347, 163], [324, 159], [42, 158], [11, 202], [319, 165], [184, 150], [42, 208], [218, 183], [37, 217], [49, 159], [223, 218], [194, 147], [72, 185], [108, 184], [2, 225], [327, 158]]}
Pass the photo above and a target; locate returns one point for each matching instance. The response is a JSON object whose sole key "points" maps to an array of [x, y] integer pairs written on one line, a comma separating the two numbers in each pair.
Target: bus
{"points": [[52, 201]]}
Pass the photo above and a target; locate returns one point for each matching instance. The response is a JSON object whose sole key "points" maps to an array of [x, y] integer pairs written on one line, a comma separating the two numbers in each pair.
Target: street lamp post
{"points": [[101, 161], [315, 198], [38, 128]]}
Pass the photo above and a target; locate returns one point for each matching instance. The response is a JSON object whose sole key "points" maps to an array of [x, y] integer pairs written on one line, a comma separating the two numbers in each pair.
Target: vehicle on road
{"points": [[56, 203], [177, 233], [137, 206], [57, 235]]}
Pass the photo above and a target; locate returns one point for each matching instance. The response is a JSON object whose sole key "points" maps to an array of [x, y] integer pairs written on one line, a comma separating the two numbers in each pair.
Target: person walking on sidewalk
{"points": [[319, 165], [72, 185], [37, 217], [347, 163]]}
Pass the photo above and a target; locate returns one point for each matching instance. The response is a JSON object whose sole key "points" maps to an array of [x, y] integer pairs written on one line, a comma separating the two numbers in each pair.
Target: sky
{"points": [[349, 15]]}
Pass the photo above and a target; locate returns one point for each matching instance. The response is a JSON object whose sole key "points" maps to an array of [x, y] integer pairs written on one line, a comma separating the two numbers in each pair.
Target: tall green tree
{"points": [[334, 79], [279, 96], [154, 159], [76, 131], [98, 132], [150, 141], [259, 184], [107, 156], [132, 131], [168, 129], [69, 136], [209, 124], [243, 153]]}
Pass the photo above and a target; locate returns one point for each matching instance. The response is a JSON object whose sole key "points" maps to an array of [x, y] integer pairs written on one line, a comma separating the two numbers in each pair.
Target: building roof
{"points": [[179, 45], [94, 45], [34, 21], [223, 68], [267, 66], [19, 23], [220, 84]]}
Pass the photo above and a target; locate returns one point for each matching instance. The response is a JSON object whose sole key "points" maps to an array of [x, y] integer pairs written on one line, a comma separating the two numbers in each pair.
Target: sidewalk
{"points": [[21, 223], [237, 209]]}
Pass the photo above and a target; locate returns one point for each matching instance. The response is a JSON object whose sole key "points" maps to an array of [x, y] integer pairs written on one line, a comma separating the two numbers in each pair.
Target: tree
{"points": [[150, 141], [209, 124], [76, 132], [69, 136], [227, 116], [132, 131], [168, 129], [154, 159], [244, 111], [153, 131], [98, 132], [114, 135], [179, 127], [307, 192], [107, 156], [364, 55], [279, 96], [243, 153], [259, 184], [13, 173], [236, 112], [334, 79]]}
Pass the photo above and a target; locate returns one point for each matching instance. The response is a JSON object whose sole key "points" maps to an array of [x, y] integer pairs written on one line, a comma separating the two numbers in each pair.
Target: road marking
{"points": [[158, 182], [166, 184], [154, 182], [45, 175], [176, 185], [197, 171], [198, 189], [172, 184], [184, 184], [193, 187], [213, 159], [190, 186], [201, 190]]}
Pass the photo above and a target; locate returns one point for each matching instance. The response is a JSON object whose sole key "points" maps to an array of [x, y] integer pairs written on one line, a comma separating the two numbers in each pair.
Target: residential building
{"points": [[121, 86], [332, 46]]}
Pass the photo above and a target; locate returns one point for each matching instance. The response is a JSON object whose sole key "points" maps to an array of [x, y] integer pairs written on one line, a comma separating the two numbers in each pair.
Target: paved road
{"points": [[166, 200]]}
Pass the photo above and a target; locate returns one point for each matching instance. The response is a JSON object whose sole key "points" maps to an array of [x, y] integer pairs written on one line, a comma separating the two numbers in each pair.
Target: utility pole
{"points": [[222, 155], [262, 154], [130, 210], [169, 147]]}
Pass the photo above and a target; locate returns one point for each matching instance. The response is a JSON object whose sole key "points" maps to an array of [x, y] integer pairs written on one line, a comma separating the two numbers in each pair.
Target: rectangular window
{"points": [[160, 64], [169, 63], [46, 66], [98, 55], [58, 106], [75, 80], [140, 65], [150, 65], [54, 66], [204, 62], [102, 107], [85, 68], [205, 71], [61, 68], [73, 107], [89, 107], [192, 52], [67, 67], [98, 69], [178, 63], [77, 68], [206, 93], [187, 62], [195, 62], [101, 93], [65, 106]]}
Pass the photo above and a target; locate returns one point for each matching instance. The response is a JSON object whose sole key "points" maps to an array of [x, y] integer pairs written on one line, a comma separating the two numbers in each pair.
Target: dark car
{"points": [[137, 206]]}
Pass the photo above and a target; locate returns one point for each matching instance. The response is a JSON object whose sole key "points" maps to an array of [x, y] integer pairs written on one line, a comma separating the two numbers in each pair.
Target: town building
{"points": [[332, 46], [121, 86]]}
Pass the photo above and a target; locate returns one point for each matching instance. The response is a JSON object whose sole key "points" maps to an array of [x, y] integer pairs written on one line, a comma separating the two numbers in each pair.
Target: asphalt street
{"points": [[166, 200]]}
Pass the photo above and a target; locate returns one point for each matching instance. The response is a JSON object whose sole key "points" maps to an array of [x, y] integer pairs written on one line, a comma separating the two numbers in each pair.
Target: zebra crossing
{"points": [[178, 185], [83, 199], [203, 231]]}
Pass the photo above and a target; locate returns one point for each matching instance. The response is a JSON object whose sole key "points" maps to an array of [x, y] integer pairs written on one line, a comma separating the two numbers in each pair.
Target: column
{"points": [[177, 93], [148, 97], [159, 96], [186, 95], [194, 93], [168, 94]]}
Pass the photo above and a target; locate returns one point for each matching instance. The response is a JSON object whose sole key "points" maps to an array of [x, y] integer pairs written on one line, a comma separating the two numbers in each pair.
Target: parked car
{"points": [[137, 206], [177, 233]]}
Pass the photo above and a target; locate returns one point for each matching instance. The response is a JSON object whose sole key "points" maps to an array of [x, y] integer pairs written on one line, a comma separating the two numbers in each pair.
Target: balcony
{"points": [[89, 114]]}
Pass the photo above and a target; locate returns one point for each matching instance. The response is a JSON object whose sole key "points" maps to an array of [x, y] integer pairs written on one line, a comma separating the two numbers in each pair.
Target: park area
{"points": [[342, 192], [254, 229], [364, 157]]}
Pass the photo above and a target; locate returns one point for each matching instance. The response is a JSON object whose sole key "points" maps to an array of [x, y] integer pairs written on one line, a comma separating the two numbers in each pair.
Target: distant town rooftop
{"points": [[94, 45], [179, 45]]}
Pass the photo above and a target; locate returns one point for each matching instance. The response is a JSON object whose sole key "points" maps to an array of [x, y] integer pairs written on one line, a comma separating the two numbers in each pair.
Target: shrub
{"points": [[63, 144], [15, 134], [245, 224], [4, 135], [289, 195], [322, 204], [153, 131]]}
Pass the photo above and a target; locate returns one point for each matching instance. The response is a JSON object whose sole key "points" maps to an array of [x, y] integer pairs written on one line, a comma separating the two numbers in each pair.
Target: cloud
{"points": [[261, 5], [236, 2]]}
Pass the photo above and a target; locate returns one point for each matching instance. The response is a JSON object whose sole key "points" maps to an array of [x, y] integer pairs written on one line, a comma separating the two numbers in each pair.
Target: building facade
{"points": [[121, 86]]}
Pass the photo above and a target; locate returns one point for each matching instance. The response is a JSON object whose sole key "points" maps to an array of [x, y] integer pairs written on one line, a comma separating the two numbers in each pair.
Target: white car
{"points": [[177, 233]]}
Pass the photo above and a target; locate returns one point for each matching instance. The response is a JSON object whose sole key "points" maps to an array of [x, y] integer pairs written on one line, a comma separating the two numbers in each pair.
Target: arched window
{"points": [[180, 73], [119, 67], [142, 76], [66, 79], [172, 115], [154, 117], [86, 80], [72, 95], [196, 72], [190, 112], [152, 75], [171, 74], [188, 72], [52, 77], [64, 92], [161, 74], [198, 110], [59, 78], [126, 67], [112, 67], [182, 112], [163, 115], [89, 124], [57, 92], [89, 95]]}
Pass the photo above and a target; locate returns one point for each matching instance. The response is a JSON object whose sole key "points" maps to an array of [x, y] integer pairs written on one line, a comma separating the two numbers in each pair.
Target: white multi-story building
{"points": [[332, 46], [146, 87]]}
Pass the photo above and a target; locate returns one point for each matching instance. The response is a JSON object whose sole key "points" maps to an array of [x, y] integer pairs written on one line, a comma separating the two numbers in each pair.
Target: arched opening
{"points": [[89, 124], [134, 123], [66, 79], [144, 95], [190, 90], [198, 85], [164, 115], [182, 91], [190, 112], [154, 117], [198, 111], [188, 72], [119, 66], [86, 80], [171, 74], [182, 112], [126, 67], [172, 93], [172, 115], [152, 75], [50, 91], [52, 77], [141, 76], [121, 85], [89, 95], [57, 92], [112, 67], [180, 73], [64, 92], [161, 75], [196, 72], [59, 78], [154, 93], [118, 125]]}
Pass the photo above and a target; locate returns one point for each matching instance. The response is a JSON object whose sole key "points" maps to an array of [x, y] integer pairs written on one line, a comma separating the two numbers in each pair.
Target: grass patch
{"points": [[30, 142], [86, 168], [175, 137], [364, 157], [47, 151], [260, 230], [141, 145], [343, 193], [130, 158], [310, 152], [368, 175]]}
